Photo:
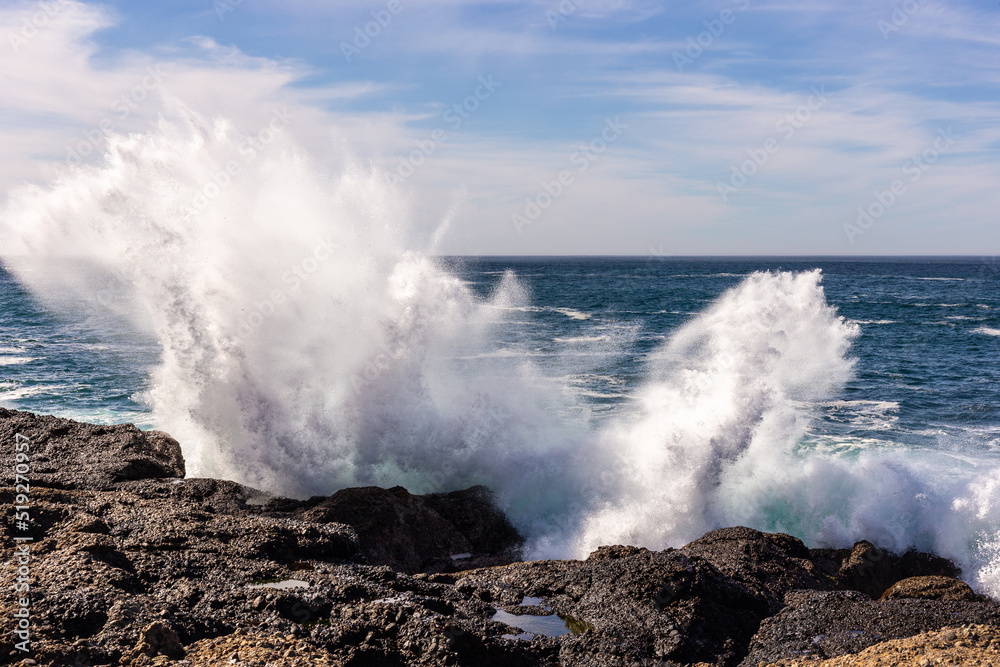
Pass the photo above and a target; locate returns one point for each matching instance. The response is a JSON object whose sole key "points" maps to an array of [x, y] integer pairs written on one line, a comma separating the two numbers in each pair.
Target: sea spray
{"points": [[309, 343], [732, 387], [721, 436]]}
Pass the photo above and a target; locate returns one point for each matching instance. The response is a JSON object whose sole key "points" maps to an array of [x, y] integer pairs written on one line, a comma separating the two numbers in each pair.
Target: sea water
{"points": [[294, 332]]}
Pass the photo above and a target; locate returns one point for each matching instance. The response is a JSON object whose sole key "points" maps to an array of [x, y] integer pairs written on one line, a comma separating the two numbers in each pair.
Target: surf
{"points": [[310, 341]]}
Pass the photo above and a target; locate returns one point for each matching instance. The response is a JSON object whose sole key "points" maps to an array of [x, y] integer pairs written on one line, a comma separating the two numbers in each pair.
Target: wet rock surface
{"points": [[872, 570], [821, 625], [970, 646], [432, 533], [931, 588], [60, 459], [157, 570]]}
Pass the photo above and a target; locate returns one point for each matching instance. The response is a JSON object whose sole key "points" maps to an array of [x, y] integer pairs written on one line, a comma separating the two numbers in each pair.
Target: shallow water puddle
{"points": [[550, 625], [284, 585]]}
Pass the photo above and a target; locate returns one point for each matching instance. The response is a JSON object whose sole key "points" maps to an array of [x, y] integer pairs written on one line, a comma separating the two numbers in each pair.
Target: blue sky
{"points": [[719, 127]]}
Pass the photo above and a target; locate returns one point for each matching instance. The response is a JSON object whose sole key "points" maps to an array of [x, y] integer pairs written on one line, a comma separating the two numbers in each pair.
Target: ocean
{"points": [[927, 375], [297, 332], [903, 406]]}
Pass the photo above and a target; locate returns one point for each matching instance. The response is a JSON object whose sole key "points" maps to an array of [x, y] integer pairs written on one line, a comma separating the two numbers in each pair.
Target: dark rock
{"points": [[770, 564], [475, 515], [932, 588], [614, 551], [157, 639], [212, 495], [827, 624], [66, 454], [131, 568], [872, 570], [703, 602], [431, 533]]}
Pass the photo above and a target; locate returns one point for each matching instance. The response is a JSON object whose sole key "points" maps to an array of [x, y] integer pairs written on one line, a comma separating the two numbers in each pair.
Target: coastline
{"points": [[131, 563]]}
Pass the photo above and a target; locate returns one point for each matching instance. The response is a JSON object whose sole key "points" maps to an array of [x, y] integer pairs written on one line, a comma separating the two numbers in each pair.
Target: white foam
{"points": [[581, 339], [878, 406], [929, 278], [716, 441], [724, 390], [864, 414], [308, 343], [15, 361], [987, 331], [573, 314], [599, 394], [10, 391], [314, 346]]}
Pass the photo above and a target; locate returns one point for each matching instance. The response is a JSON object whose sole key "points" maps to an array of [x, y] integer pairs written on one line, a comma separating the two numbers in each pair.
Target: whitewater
{"points": [[307, 339]]}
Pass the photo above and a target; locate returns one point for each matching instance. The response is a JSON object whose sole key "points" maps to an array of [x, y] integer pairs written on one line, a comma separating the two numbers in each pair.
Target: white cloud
{"points": [[59, 99], [655, 188]]}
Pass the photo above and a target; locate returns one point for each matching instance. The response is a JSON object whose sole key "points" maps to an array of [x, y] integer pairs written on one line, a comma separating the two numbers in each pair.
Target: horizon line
{"points": [[708, 256]]}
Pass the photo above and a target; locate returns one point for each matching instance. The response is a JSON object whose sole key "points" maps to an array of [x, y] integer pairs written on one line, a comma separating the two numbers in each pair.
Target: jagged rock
{"points": [[700, 603], [932, 588], [614, 551], [769, 563], [964, 645], [872, 570], [132, 568], [66, 454], [827, 624], [432, 533], [156, 639], [256, 650]]}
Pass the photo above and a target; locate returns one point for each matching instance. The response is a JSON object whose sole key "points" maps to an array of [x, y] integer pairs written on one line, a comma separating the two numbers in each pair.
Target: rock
{"points": [[964, 645], [157, 639], [769, 563], [417, 533], [932, 588], [826, 624], [703, 602], [614, 551], [872, 570], [474, 514], [139, 569], [257, 650], [717, 599], [65, 454]]}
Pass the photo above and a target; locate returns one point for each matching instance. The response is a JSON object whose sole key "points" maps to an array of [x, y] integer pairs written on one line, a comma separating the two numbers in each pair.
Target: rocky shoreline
{"points": [[133, 564]]}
